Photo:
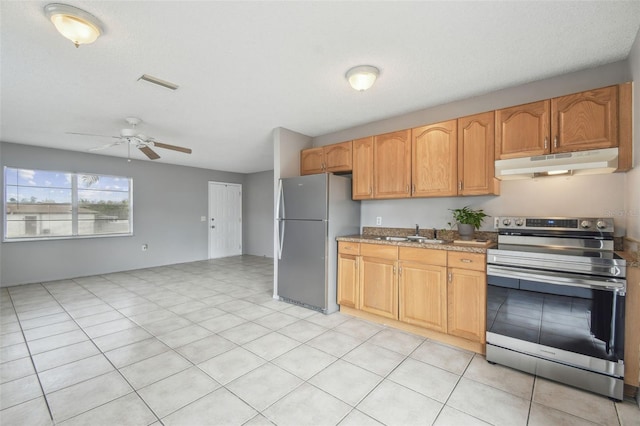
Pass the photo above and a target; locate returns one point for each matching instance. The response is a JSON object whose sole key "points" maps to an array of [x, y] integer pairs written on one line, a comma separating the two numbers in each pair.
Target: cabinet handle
{"points": [[370, 190], [546, 142], [450, 277], [407, 188], [466, 260], [394, 270], [413, 188], [555, 141], [459, 185], [400, 270]]}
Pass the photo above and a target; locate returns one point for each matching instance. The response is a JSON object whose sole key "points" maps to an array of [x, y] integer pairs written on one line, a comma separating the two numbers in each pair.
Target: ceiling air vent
{"points": [[158, 81]]}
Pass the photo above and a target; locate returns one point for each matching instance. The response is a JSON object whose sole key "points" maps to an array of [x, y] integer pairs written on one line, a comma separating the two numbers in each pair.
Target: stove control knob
{"points": [[601, 224], [585, 224], [519, 222], [506, 222]]}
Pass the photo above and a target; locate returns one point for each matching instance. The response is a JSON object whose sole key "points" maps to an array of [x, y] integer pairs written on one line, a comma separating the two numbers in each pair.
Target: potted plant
{"points": [[468, 220]]}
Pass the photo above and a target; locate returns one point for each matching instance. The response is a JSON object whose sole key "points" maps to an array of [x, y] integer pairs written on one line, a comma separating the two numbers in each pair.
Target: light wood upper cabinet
{"points": [[362, 169], [378, 280], [338, 157], [522, 130], [577, 122], [329, 158], [311, 161], [434, 160], [586, 120], [392, 165], [476, 165]]}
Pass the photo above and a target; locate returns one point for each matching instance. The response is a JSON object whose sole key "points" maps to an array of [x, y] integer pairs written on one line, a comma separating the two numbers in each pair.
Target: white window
{"points": [[42, 204]]}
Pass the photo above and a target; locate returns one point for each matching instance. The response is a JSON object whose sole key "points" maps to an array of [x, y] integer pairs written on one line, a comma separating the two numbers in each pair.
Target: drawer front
{"points": [[380, 251], [463, 260], [421, 255], [345, 247]]}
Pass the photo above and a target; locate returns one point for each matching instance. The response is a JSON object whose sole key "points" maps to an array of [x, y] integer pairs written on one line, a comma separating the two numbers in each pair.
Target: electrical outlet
{"points": [[379, 220], [203, 218], [145, 247]]}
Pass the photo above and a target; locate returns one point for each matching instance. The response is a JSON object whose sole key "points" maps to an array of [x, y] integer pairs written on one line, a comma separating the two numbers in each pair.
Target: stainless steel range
{"points": [[556, 299]]}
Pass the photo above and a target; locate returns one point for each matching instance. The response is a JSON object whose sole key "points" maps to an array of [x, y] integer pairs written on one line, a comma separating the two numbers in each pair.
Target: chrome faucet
{"points": [[435, 234], [417, 230]]}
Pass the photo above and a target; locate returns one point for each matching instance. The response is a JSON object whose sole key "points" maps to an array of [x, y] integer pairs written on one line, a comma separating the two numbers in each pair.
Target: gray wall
{"points": [[600, 195], [257, 212], [168, 202]]}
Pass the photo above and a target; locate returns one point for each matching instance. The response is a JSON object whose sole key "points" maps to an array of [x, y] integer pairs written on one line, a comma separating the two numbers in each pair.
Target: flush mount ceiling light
{"points": [[362, 77], [75, 24]]}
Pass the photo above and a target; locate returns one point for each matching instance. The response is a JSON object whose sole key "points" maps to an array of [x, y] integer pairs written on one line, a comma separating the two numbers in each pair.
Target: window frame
{"points": [[75, 201]]}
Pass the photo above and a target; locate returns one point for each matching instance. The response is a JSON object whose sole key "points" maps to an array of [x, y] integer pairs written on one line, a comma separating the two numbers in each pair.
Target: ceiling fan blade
{"points": [[91, 134], [173, 147], [149, 152], [109, 145]]}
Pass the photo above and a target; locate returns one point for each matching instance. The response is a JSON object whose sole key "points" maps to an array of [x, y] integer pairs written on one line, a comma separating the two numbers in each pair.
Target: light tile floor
{"points": [[205, 343]]}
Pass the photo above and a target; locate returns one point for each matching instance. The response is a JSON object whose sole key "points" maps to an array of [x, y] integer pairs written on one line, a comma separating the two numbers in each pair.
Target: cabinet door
{"points": [[379, 287], [362, 168], [434, 160], [338, 157], [423, 295], [311, 161], [392, 165], [466, 303], [476, 153], [348, 289], [587, 120], [522, 130]]}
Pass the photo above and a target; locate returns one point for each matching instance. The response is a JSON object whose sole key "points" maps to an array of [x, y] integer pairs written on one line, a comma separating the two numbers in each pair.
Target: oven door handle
{"points": [[558, 278]]}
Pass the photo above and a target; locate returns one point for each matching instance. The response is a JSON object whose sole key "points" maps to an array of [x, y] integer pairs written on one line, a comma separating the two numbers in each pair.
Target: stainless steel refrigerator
{"points": [[312, 211]]}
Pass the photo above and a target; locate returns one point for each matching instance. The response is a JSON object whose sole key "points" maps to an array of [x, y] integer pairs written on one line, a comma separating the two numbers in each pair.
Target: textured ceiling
{"points": [[245, 68]]}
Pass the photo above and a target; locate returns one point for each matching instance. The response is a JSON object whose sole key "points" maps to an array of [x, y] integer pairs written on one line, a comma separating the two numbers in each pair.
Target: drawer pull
{"points": [[466, 260]]}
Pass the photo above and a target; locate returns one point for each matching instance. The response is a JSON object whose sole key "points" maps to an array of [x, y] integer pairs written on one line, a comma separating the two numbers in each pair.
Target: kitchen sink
{"points": [[392, 238], [420, 239], [428, 241]]}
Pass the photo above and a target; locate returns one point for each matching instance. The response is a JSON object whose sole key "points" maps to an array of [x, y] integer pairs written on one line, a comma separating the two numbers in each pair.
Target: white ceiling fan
{"points": [[131, 137]]}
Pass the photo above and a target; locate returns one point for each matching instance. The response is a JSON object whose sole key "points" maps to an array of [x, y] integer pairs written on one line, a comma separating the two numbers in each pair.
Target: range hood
{"points": [[582, 162]]}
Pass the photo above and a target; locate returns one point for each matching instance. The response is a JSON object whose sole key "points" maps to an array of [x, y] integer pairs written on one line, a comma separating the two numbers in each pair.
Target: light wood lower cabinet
{"points": [[349, 275], [467, 296], [423, 295], [378, 280], [438, 290]]}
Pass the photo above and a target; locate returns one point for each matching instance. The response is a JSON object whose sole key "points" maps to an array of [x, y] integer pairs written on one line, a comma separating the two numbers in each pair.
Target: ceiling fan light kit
{"points": [[75, 24], [362, 77]]}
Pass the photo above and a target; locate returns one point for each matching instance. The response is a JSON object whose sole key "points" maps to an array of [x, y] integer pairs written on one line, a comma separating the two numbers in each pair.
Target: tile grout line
{"points": [[35, 371]]}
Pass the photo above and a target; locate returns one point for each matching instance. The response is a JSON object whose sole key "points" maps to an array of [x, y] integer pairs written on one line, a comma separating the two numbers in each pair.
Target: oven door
{"points": [[569, 318]]}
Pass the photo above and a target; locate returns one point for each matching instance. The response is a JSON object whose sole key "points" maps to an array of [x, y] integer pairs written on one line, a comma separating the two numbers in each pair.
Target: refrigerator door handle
{"points": [[281, 226], [280, 202], [279, 218]]}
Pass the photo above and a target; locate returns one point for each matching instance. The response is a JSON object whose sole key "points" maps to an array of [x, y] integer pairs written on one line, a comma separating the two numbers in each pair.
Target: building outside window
{"points": [[42, 204]]}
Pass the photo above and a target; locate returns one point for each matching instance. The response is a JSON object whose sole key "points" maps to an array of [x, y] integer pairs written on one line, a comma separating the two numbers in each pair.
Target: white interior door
{"points": [[225, 219]]}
